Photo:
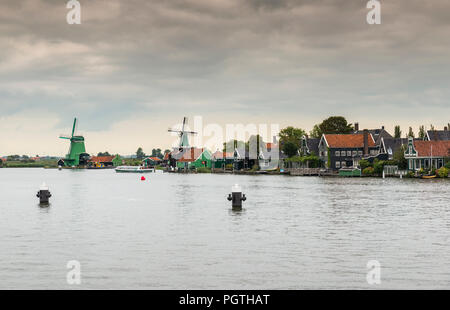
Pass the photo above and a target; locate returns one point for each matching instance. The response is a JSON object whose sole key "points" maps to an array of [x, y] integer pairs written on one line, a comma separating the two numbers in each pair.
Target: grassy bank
{"points": [[30, 164]]}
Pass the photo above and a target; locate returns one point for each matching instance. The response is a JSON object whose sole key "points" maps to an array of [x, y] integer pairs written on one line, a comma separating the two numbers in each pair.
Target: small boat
{"points": [[134, 169], [428, 176]]}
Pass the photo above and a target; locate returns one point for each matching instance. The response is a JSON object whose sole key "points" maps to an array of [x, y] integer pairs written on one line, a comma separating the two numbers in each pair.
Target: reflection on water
{"points": [[179, 231]]}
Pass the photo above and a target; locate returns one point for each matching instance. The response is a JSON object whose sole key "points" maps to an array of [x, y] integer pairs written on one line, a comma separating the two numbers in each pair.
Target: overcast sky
{"points": [[134, 68]]}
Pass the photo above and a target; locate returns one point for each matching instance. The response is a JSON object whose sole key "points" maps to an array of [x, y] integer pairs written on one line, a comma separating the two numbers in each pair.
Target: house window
{"points": [[359, 153], [344, 164], [338, 164], [337, 153], [354, 153], [349, 153], [343, 153]]}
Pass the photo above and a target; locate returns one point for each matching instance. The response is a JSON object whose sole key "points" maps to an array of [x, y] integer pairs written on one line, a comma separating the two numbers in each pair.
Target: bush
{"points": [[378, 167], [368, 171], [442, 172], [229, 166], [255, 168], [447, 165], [364, 164], [203, 170]]}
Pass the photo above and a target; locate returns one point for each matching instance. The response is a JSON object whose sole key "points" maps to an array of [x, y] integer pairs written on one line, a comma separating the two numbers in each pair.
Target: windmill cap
{"points": [[43, 187]]}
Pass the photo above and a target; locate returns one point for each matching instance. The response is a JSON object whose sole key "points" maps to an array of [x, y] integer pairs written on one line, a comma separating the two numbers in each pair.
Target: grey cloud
{"points": [[159, 57]]}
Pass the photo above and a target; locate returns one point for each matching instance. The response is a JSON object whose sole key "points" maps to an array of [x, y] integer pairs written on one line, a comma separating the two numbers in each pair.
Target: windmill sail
{"points": [[183, 134]]}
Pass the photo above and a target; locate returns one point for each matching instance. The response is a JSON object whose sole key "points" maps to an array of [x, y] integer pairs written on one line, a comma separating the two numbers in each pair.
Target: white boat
{"points": [[134, 169]]}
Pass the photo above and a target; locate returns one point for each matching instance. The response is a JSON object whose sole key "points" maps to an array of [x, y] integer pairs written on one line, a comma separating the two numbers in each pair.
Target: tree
{"points": [[422, 132], [398, 132], [104, 154], [290, 149], [363, 164], [332, 125], [315, 132], [291, 134], [231, 145], [399, 157], [410, 133], [157, 153], [140, 153]]}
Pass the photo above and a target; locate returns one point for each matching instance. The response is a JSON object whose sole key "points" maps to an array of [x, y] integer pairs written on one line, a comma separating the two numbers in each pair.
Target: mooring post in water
{"points": [[44, 194], [236, 197]]}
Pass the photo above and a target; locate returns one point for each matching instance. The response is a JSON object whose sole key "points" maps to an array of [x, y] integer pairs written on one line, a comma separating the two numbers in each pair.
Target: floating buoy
{"points": [[142, 178]]}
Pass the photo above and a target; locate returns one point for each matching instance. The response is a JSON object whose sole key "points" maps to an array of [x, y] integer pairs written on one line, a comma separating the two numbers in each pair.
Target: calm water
{"points": [[178, 232]]}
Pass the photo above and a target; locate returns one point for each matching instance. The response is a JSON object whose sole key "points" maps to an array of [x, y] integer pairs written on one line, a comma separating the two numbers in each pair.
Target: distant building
{"points": [[346, 150], [438, 135], [377, 134], [151, 161], [426, 154], [309, 146], [221, 159], [105, 161], [389, 146], [243, 160], [191, 158]]}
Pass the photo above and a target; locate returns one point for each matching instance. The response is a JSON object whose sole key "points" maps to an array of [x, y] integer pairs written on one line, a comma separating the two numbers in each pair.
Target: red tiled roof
{"points": [[221, 155], [101, 159], [154, 158], [271, 145], [440, 148], [348, 140], [191, 155]]}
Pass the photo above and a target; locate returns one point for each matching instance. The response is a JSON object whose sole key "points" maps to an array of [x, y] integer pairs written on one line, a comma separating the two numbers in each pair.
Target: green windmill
{"points": [[77, 155]]}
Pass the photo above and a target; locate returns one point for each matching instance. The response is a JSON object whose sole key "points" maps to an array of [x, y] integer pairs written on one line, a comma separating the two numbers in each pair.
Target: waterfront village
{"points": [[333, 148]]}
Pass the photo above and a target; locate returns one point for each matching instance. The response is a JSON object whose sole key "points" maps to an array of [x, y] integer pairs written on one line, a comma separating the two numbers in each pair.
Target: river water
{"points": [[178, 231]]}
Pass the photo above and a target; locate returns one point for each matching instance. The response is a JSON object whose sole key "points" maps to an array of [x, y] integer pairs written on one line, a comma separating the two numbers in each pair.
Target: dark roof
{"points": [[377, 134], [394, 144], [437, 135], [313, 145]]}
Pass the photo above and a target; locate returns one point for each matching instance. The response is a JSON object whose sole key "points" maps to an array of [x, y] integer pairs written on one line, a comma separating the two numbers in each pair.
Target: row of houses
{"points": [[338, 151], [335, 151]]}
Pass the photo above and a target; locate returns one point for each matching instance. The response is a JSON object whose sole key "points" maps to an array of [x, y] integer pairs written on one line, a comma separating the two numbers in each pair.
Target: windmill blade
{"points": [[65, 137], [173, 130], [185, 120], [75, 124], [191, 132]]}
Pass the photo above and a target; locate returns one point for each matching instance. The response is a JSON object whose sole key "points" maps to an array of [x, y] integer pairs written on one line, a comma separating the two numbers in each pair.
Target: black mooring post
{"points": [[236, 197], [43, 194]]}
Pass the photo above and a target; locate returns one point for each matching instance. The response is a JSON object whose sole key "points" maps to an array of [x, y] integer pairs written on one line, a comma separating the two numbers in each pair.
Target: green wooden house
{"points": [[194, 158], [220, 160]]}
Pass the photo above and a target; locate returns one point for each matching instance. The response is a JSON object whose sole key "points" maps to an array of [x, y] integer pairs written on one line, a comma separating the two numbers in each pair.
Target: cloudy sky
{"points": [[134, 68]]}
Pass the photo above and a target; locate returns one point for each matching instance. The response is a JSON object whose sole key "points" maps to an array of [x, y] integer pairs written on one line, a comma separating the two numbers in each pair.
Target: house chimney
{"points": [[275, 139], [192, 153], [382, 127], [445, 128], [366, 142], [356, 126]]}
